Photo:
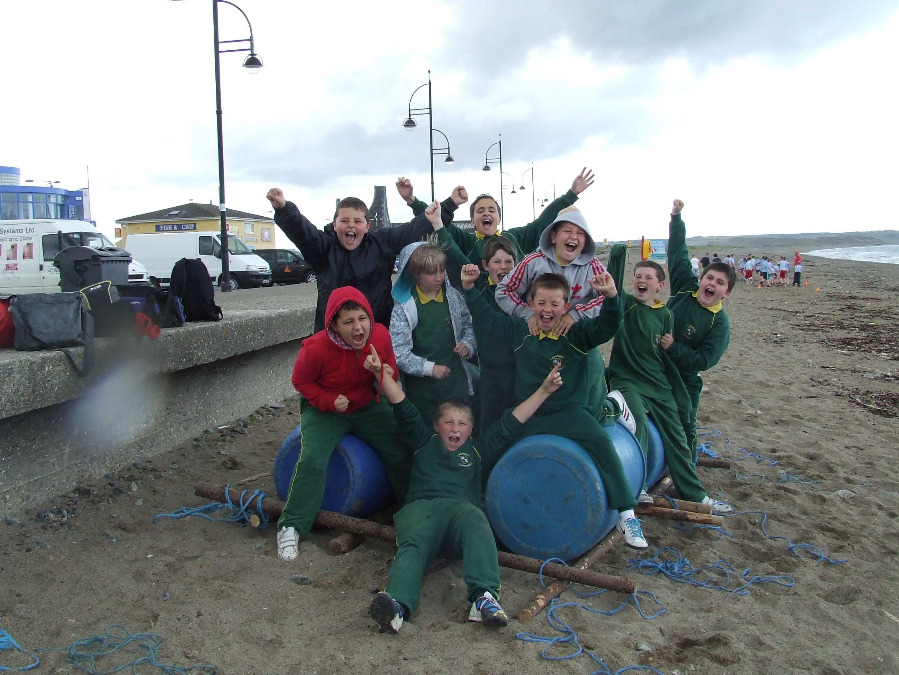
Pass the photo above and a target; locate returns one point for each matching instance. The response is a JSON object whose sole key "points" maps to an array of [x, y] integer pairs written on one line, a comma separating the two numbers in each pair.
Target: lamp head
{"points": [[486, 167], [252, 63], [409, 124], [521, 188], [449, 159]]}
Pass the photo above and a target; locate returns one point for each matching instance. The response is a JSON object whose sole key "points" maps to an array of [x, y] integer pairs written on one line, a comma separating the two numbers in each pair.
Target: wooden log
{"points": [[555, 589], [251, 479], [274, 507], [347, 541], [682, 504], [675, 514], [714, 462]]}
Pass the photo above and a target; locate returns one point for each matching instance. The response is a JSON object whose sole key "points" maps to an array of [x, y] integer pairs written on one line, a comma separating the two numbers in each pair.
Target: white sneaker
{"points": [[645, 498], [288, 543], [626, 418], [630, 527], [718, 507]]}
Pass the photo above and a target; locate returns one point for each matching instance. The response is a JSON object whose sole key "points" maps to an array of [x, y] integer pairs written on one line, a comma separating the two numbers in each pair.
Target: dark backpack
{"points": [[192, 287]]}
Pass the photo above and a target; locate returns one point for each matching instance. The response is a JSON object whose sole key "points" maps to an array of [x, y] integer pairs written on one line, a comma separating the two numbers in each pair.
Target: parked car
{"points": [[288, 266]]}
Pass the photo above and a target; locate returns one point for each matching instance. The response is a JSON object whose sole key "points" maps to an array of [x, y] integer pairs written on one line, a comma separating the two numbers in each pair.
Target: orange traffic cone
{"points": [[806, 283], [817, 289], [759, 285]]}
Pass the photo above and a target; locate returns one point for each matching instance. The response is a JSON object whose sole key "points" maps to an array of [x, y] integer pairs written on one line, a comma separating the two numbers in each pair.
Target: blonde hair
{"points": [[426, 259]]}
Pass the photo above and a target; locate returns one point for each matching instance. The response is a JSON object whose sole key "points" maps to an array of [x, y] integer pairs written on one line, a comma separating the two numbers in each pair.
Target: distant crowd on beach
{"points": [[764, 271]]}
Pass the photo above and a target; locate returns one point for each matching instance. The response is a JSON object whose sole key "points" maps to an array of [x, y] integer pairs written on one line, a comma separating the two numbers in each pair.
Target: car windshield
{"points": [[237, 247], [91, 239]]}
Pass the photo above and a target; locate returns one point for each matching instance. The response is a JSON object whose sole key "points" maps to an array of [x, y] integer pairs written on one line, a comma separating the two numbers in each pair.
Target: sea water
{"points": [[881, 254]]}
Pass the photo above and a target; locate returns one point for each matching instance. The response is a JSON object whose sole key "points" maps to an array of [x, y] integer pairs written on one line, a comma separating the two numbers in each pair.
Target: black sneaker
{"points": [[387, 612], [486, 610]]}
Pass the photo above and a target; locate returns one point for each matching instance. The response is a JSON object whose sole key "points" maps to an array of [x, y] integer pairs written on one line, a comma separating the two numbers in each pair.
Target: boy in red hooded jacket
{"points": [[338, 398]]}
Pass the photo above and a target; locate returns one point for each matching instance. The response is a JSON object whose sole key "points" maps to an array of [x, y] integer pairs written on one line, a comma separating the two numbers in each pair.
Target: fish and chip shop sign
{"points": [[177, 227]]}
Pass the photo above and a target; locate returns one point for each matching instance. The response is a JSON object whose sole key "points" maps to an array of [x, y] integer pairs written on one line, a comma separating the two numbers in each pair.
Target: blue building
{"points": [[18, 202]]}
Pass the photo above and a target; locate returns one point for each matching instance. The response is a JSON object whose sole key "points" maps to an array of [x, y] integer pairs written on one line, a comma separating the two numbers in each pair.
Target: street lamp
{"points": [[533, 196], [409, 124], [50, 183], [488, 160], [252, 63]]}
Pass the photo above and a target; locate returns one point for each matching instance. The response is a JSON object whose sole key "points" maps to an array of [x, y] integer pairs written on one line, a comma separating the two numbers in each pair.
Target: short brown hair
{"points": [[653, 265], [426, 259], [499, 209], [495, 244], [352, 203], [725, 269], [456, 403], [551, 282], [348, 306]]}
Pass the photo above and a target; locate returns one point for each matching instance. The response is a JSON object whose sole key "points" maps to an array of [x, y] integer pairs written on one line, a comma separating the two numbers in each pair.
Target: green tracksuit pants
{"points": [[678, 455], [690, 428], [452, 528], [580, 425], [598, 390], [374, 424]]}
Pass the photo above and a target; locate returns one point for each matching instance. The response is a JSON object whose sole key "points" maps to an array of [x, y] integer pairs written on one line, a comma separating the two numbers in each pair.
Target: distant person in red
{"points": [[796, 258]]}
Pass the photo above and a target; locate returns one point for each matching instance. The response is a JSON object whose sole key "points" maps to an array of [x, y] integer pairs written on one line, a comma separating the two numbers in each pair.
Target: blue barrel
{"points": [[545, 498], [355, 484], [655, 457]]}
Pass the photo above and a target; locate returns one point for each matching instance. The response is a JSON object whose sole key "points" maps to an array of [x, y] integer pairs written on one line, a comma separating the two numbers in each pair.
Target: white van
{"points": [[159, 252], [27, 249]]}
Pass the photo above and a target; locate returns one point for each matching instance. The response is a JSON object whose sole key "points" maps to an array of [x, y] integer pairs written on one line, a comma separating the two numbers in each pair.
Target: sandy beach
{"points": [[810, 381]]}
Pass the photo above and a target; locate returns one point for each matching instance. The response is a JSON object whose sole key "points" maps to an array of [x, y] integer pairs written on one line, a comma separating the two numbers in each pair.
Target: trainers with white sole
{"points": [[626, 417], [486, 610], [387, 612], [630, 527], [288, 544], [645, 498], [719, 508]]}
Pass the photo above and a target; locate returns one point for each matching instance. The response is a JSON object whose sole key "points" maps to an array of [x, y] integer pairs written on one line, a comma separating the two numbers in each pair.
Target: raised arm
{"points": [[307, 237], [528, 236], [413, 432], [680, 272], [497, 326]]}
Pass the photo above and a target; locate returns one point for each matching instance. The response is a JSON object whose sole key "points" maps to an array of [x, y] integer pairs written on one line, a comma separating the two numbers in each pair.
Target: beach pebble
{"points": [[258, 546], [243, 423], [13, 521], [814, 455], [844, 494], [643, 647], [165, 596], [138, 502], [300, 579]]}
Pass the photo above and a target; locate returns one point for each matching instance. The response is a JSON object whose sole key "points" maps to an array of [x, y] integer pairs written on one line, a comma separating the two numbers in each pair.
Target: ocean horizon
{"points": [[881, 254]]}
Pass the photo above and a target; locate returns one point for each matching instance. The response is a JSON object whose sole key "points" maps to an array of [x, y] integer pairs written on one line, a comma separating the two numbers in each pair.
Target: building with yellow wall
{"points": [[257, 232]]}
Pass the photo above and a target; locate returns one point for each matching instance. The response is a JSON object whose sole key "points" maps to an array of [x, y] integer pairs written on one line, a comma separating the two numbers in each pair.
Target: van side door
{"points": [[210, 252]]}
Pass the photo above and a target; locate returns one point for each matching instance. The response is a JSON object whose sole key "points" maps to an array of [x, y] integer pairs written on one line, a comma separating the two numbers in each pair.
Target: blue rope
{"points": [[707, 445], [84, 653], [240, 512], [7, 644], [795, 549], [714, 577], [569, 635]]}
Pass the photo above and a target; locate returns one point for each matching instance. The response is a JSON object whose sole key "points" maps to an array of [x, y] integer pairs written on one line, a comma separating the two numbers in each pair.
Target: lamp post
{"points": [[488, 160], [409, 124], [533, 196], [252, 63]]}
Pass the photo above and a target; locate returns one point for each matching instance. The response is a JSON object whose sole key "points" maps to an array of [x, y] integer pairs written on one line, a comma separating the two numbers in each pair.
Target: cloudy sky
{"points": [[763, 115]]}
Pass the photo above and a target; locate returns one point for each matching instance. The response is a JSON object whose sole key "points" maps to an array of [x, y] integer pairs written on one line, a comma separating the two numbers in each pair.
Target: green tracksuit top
{"points": [[701, 334], [636, 361], [525, 239], [439, 473], [535, 356]]}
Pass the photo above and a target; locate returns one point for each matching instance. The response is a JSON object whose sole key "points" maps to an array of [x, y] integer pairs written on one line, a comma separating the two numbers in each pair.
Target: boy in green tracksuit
{"points": [[442, 509], [701, 327], [568, 413], [486, 218], [642, 374]]}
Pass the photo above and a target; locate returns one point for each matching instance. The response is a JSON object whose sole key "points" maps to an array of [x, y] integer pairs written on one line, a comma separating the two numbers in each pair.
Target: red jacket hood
{"points": [[346, 294]]}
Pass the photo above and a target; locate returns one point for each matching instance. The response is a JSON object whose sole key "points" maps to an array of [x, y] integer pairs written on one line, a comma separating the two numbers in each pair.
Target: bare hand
{"points": [[553, 381], [341, 403], [276, 197], [534, 324], [432, 213], [582, 181], [462, 350], [440, 372], [564, 325], [666, 340], [460, 195], [388, 371], [372, 362], [404, 187], [470, 274], [677, 207], [604, 283]]}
